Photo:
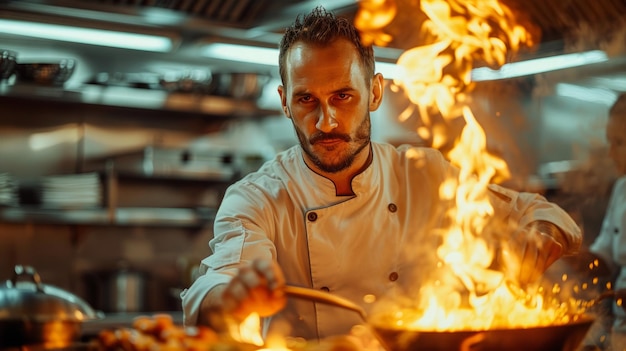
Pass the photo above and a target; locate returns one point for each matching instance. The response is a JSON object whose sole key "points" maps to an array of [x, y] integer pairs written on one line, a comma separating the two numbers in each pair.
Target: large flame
{"points": [[472, 295], [438, 73], [484, 299]]}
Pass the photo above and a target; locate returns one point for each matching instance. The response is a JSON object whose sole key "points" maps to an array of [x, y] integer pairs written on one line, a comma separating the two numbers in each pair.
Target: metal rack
{"points": [[113, 212], [139, 99], [130, 216]]}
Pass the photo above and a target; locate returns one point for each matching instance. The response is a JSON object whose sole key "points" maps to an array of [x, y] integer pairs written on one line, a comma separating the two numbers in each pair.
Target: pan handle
{"points": [[323, 297]]}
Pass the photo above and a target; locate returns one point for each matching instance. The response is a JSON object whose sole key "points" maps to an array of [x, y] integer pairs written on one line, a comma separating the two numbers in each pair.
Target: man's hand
{"points": [[530, 252], [258, 288]]}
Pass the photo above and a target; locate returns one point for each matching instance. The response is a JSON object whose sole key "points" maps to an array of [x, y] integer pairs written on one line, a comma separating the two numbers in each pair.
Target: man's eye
{"points": [[306, 98], [343, 96]]}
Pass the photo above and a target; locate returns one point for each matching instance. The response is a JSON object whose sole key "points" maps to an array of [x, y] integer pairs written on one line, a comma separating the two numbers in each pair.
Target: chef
{"points": [[339, 212], [610, 244]]}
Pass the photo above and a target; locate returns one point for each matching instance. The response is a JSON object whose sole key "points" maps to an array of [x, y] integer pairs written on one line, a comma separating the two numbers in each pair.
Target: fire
{"points": [[438, 74], [490, 300], [374, 15], [471, 295], [249, 332], [491, 32]]}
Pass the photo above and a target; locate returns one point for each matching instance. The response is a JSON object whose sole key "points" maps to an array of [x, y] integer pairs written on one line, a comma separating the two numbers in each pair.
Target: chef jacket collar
{"points": [[361, 182]]}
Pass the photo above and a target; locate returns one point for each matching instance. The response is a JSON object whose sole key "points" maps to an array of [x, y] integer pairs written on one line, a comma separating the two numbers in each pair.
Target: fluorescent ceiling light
{"points": [[269, 56], [615, 81], [87, 35], [389, 70], [242, 53], [540, 65], [596, 95]]}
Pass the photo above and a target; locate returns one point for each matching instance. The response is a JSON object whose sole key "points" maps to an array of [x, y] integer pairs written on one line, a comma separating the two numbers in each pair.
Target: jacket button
{"points": [[393, 276], [325, 288], [312, 216], [392, 207], [616, 230]]}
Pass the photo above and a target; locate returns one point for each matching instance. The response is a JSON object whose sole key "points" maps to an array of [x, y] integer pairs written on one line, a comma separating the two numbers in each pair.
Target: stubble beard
{"points": [[344, 160]]}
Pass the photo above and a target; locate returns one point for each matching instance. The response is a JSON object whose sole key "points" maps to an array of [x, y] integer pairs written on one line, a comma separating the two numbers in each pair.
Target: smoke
{"points": [[611, 40]]}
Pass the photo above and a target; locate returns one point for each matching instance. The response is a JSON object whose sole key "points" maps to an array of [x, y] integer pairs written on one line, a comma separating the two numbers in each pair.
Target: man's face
{"points": [[328, 98], [616, 136]]}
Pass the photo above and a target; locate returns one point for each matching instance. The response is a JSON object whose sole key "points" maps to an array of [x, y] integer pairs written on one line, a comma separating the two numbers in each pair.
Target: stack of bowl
{"points": [[7, 64]]}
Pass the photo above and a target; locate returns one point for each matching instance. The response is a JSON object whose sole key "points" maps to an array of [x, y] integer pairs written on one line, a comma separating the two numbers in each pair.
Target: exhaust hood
{"points": [[184, 28], [261, 21]]}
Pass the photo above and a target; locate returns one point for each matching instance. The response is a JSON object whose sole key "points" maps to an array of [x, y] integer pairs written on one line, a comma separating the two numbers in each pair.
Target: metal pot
{"points": [[238, 85], [564, 337], [32, 313], [120, 290]]}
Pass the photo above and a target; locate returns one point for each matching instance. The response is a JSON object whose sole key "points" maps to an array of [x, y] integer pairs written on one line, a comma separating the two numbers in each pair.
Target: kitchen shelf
{"points": [[112, 97], [114, 212], [130, 216]]}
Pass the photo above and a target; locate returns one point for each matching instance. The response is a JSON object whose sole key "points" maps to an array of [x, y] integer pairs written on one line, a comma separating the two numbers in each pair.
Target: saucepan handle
{"points": [[324, 297]]}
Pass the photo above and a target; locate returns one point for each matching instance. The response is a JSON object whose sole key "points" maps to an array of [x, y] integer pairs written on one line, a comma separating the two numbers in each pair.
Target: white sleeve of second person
{"points": [[603, 244]]}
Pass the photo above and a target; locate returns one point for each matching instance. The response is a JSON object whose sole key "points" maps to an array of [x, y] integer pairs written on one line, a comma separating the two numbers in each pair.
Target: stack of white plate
{"points": [[82, 190], [8, 190]]}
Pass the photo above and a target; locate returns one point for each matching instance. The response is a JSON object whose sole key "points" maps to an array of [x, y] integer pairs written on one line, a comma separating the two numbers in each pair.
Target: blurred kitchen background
{"points": [[115, 152]]}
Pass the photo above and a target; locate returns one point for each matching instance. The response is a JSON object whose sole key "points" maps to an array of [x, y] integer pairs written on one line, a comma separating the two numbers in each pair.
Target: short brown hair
{"points": [[321, 27]]}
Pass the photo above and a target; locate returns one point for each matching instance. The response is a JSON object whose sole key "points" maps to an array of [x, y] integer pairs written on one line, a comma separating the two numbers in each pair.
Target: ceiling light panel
{"points": [[100, 37]]}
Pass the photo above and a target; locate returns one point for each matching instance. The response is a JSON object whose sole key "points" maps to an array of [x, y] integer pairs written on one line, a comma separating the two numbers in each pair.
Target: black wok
{"points": [[563, 337]]}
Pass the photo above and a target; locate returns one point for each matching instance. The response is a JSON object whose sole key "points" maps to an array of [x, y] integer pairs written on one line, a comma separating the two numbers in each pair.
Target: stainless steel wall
{"points": [[39, 139]]}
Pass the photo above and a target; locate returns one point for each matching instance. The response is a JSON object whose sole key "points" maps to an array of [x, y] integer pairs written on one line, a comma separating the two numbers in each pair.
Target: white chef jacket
{"points": [[351, 246], [611, 242]]}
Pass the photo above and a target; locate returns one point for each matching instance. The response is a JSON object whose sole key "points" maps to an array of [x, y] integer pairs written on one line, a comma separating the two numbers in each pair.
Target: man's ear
{"points": [[283, 100], [376, 91]]}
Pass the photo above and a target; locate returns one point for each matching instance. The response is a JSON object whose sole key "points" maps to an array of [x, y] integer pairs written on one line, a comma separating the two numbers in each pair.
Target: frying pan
{"points": [[563, 337]]}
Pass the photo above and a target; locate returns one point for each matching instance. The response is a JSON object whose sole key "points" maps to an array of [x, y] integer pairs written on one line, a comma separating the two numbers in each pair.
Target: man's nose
{"points": [[326, 120]]}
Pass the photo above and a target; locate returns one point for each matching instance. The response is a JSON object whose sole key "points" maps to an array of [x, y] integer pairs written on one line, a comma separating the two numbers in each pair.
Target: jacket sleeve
{"points": [[240, 236], [603, 244], [520, 209], [524, 208]]}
